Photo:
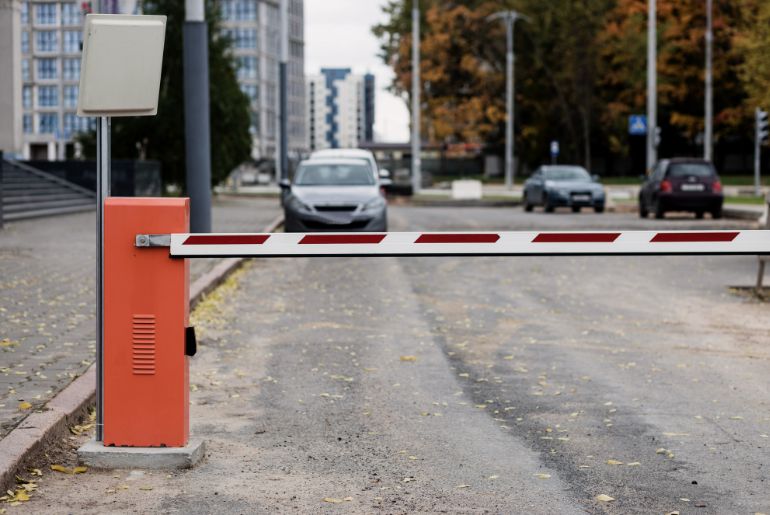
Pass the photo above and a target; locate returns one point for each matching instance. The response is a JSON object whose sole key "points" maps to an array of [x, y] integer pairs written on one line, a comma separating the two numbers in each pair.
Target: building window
{"points": [[71, 69], [46, 69], [254, 128], [49, 123], [45, 14], [26, 97], [25, 76], [251, 91], [25, 42], [71, 41], [74, 124], [239, 10], [48, 96], [71, 96], [47, 41], [70, 14], [247, 67], [243, 38], [26, 121], [25, 13]]}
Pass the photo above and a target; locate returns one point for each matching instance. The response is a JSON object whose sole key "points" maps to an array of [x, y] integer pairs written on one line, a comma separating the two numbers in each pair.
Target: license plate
{"points": [[581, 198], [693, 187]]}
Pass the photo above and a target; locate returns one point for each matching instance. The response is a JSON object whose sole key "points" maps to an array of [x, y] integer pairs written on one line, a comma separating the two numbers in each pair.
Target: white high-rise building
{"points": [[40, 71], [253, 26], [340, 109]]}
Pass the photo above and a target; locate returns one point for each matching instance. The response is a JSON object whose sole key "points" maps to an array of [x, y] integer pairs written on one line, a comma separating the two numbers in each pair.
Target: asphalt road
{"points": [[501, 385]]}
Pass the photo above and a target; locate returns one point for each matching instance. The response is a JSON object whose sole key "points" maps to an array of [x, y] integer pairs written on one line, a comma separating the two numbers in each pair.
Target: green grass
{"points": [[634, 180], [754, 201]]}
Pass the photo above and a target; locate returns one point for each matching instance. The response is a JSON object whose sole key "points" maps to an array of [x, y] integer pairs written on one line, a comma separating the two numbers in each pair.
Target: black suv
{"points": [[682, 185]]}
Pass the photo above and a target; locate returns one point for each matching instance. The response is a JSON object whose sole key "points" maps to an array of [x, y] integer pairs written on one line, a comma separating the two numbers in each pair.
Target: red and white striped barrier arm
{"points": [[620, 243]]}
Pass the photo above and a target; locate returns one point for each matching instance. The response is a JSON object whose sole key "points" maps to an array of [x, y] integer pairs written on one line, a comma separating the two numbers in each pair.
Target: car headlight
{"points": [[376, 203], [298, 205], [563, 192]]}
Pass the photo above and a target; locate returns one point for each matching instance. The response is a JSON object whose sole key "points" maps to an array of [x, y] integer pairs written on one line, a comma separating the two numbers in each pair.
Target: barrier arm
{"points": [[523, 243]]}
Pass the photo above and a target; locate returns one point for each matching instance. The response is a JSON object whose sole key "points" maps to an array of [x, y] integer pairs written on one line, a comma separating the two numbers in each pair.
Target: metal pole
{"points": [[284, 91], [416, 102], [708, 141], [103, 174], [2, 166], [758, 153], [196, 114], [652, 84], [510, 21]]}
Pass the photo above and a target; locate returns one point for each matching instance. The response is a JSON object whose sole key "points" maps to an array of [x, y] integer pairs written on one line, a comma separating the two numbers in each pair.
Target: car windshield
{"points": [[690, 170], [567, 174], [331, 174]]}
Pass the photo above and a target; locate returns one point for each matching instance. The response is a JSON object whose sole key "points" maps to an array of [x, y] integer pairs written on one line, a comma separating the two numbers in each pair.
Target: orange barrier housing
{"points": [[146, 300]]}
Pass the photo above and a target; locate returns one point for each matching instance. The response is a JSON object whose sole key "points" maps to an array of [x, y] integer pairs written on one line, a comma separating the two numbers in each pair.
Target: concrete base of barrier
{"points": [[95, 454]]}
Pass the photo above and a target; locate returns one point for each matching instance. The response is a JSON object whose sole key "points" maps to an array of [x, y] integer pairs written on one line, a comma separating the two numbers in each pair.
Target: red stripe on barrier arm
{"points": [[695, 237], [342, 239], [227, 240], [458, 238], [576, 238]]}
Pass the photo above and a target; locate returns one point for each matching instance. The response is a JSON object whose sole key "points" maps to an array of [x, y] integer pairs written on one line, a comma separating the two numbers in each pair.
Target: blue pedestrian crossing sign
{"points": [[637, 125]]}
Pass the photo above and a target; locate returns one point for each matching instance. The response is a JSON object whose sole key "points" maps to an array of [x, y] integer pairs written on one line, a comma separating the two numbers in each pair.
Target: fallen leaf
{"points": [[614, 462], [36, 472], [146, 488], [463, 486], [333, 500], [543, 476], [21, 496], [408, 358], [604, 498], [408, 480], [80, 470], [493, 477], [633, 464], [62, 469], [24, 405]]}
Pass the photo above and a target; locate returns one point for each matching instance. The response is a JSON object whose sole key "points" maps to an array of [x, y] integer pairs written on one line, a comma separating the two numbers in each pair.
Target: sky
{"points": [[338, 35]]}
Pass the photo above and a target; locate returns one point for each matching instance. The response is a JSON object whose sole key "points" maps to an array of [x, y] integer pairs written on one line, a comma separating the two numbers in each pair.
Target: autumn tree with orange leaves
{"points": [[581, 70]]}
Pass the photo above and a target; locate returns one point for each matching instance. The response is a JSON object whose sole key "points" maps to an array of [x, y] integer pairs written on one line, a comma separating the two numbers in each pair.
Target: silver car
{"points": [[334, 195]]}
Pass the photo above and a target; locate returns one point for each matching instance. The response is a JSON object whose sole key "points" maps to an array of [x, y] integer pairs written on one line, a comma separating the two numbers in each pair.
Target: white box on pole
{"points": [[121, 65]]}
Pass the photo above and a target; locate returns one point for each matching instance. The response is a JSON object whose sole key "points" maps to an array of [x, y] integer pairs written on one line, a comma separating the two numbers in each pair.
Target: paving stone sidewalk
{"points": [[47, 299]]}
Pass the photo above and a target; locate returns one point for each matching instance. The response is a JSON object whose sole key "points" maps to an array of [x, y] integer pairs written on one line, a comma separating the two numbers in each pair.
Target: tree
{"points": [[754, 43], [162, 137]]}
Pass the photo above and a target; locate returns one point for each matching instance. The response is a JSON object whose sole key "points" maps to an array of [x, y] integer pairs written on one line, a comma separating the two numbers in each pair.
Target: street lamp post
{"points": [[510, 18], [708, 140], [196, 115], [416, 102], [652, 84], [284, 92]]}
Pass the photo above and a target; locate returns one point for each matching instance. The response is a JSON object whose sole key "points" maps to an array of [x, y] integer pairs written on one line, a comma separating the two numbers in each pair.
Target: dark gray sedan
{"points": [[563, 186], [335, 195]]}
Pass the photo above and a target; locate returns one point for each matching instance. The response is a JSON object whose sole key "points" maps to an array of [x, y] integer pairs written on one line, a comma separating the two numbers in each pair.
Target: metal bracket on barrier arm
{"points": [[153, 240]]}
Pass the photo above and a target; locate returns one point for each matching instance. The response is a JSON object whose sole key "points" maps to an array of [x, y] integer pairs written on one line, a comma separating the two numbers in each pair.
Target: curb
{"points": [[737, 213], [44, 427]]}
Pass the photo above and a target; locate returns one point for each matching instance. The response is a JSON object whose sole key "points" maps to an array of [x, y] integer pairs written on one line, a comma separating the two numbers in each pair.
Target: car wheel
{"points": [[716, 214], [575, 209], [527, 206], [643, 213], [659, 212], [699, 215], [599, 209]]}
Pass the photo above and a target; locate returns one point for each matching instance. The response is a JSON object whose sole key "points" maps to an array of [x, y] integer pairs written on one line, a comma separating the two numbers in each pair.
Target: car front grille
{"points": [[336, 209]]}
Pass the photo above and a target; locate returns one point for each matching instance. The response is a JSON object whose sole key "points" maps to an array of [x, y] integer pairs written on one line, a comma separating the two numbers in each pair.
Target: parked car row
{"points": [[344, 190], [682, 184]]}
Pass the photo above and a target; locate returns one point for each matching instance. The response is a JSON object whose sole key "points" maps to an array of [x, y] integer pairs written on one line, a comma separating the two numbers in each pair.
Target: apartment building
{"points": [[42, 70], [340, 109]]}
